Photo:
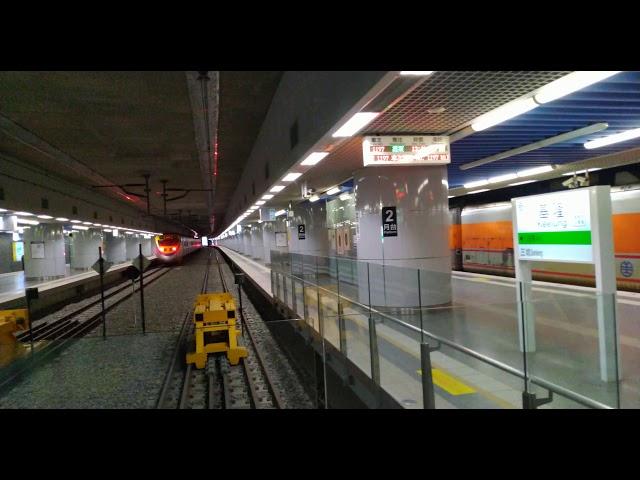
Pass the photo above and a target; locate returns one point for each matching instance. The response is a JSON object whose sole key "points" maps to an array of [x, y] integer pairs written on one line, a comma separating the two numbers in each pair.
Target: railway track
{"points": [[219, 385], [58, 330]]}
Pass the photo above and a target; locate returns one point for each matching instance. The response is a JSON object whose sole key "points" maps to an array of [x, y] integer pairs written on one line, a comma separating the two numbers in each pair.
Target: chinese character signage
{"points": [[406, 150], [555, 227], [389, 222]]}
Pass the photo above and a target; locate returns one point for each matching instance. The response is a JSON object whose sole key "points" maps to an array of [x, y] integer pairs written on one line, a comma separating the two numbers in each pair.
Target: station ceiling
{"points": [[122, 125], [447, 102]]}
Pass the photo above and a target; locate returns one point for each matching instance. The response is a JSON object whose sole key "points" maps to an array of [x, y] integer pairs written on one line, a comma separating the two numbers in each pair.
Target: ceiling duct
{"points": [[204, 90]]}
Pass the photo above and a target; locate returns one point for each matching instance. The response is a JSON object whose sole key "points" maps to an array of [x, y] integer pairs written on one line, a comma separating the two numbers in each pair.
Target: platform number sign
{"points": [[301, 232], [389, 222]]}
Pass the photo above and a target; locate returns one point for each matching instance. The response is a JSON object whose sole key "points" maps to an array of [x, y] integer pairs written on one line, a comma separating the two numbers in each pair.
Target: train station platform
{"points": [[478, 363], [13, 285]]}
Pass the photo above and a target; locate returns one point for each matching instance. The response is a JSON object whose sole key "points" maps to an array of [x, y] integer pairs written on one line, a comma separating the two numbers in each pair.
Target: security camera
{"points": [[576, 182]]}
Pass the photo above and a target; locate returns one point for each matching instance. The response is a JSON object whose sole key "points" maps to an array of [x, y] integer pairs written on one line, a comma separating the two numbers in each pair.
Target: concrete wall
{"points": [[316, 100]]}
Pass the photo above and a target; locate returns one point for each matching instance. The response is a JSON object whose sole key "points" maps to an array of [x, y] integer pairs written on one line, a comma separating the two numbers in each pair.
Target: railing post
{"points": [[101, 273], [373, 339], [341, 326], [428, 395], [141, 259]]}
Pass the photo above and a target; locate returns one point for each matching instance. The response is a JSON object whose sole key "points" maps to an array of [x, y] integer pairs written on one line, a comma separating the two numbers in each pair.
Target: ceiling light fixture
{"points": [[611, 139], [277, 188], [314, 198], [267, 196], [478, 183], [314, 158], [45, 217], [589, 170], [260, 202], [521, 183], [478, 191], [62, 219], [79, 227], [503, 113], [421, 73], [334, 190], [27, 222], [290, 177], [355, 124], [503, 178], [569, 84], [535, 171], [24, 214]]}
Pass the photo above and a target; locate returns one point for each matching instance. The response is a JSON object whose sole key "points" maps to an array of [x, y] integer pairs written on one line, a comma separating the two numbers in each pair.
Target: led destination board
{"points": [[406, 150]]}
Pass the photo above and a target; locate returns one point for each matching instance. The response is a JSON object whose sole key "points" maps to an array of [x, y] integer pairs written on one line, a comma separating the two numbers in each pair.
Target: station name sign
{"points": [[406, 150], [555, 227]]}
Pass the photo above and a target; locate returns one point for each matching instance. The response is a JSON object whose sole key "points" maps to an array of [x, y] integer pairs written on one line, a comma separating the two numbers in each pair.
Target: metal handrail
{"points": [[552, 387]]}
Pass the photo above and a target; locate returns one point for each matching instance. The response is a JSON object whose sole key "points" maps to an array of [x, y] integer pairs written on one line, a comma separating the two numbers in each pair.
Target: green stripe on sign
{"points": [[581, 237]]}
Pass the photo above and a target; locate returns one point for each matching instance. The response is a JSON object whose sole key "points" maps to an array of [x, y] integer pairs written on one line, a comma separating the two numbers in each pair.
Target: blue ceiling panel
{"points": [[615, 101]]}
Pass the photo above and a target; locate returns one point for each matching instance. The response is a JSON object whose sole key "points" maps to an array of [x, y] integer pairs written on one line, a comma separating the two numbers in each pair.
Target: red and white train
{"points": [[171, 247]]}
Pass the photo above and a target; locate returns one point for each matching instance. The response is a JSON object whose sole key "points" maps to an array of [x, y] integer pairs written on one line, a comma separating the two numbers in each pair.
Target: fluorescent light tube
{"points": [[314, 158], [521, 183], [260, 202], [79, 227], [534, 171], [27, 222], [290, 177], [479, 183], [334, 190], [62, 219], [24, 214], [570, 174], [423, 73], [355, 124], [478, 191], [611, 139], [277, 188], [503, 113], [86, 223], [568, 84], [314, 198], [267, 196], [45, 217], [503, 178]]}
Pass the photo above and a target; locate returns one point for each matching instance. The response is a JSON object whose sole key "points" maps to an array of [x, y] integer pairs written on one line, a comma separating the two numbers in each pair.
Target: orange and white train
{"points": [[171, 247], [483, 236]]}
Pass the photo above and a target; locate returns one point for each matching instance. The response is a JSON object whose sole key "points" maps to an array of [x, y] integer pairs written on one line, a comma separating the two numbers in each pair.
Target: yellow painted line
{"points": [[449, 383]]}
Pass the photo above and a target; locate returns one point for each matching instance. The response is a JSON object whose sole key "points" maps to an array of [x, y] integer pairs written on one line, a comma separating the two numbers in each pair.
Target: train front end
{"points": [[168, 247]]}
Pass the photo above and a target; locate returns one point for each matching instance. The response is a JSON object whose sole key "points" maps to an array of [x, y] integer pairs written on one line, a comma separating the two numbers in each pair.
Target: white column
{"points": [[84, 248], [115, 250], [419, 194], [44, 251]]}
